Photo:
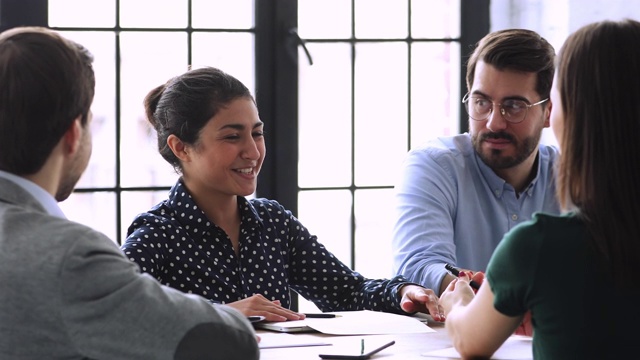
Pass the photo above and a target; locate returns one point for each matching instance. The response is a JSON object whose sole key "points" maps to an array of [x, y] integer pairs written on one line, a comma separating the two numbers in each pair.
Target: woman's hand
{"points": [[258, 305], [525, 327], [474, 326], [476, 276], [459, 291], [416, 298]]}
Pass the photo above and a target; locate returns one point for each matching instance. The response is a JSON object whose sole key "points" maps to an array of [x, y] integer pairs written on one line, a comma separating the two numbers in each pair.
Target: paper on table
{"points": [[271, 340], [515, 348], [366, 322]]}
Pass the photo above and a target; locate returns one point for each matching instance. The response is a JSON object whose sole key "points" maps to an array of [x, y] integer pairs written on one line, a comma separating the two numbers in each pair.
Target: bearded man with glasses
{"points": [[459, 195]]}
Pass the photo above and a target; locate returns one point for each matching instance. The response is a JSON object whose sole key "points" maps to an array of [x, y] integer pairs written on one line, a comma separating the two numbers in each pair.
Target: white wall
{"points": [[556, 19]]}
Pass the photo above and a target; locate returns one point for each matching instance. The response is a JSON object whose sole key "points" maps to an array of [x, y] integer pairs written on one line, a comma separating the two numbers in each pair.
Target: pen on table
{"points": [[361, 346], [456, 272], [321, 316]]}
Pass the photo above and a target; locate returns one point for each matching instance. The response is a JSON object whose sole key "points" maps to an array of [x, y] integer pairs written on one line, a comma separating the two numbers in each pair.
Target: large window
{"points": [[381, 78], [139, 45], [384, 77]]}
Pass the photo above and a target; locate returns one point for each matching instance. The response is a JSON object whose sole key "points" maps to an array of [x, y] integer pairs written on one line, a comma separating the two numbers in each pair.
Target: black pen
{"points": [[456, 272], [255, 318], [321, 316]]}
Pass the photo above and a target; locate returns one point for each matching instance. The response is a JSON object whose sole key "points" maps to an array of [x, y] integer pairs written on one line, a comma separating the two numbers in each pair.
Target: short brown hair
{"points": [[46, 81], [516, 49]]}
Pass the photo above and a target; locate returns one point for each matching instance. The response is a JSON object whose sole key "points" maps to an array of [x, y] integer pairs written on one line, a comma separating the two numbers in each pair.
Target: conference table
{"points": [[407, 346]]}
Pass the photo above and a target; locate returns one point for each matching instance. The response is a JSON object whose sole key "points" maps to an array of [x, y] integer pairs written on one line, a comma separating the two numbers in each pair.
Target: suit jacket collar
{"points": [[14, 194]]}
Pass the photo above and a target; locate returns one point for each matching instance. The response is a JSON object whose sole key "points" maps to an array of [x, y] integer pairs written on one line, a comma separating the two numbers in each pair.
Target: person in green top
{"points": [[578, 273]]}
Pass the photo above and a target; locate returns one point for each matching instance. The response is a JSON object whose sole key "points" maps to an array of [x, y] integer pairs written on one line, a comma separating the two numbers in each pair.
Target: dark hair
{"points": [[598, 79], [46, 82], [186, 103], [516, 49]]}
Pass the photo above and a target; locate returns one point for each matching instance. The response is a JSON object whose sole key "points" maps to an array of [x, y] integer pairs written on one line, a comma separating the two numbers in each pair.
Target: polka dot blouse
{"points": [[178, 245]]}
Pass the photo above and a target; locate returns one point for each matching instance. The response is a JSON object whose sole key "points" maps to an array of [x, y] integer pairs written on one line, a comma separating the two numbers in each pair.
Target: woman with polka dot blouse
{"points": [[208, 239]]}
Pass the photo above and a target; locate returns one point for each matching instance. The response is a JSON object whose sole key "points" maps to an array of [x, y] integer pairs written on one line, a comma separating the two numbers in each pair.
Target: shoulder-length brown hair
{"points": [[598, 77]]}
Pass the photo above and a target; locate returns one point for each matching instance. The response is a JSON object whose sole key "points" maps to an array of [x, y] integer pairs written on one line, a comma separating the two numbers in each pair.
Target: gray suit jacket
{"points": [[67, 292]]}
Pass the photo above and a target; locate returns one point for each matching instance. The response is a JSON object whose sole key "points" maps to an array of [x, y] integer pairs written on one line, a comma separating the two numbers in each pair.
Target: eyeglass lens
{"points": [[480, 108]]}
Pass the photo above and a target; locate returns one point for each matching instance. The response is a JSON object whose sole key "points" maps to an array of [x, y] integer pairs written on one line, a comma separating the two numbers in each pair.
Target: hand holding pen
{"points": [[462, 290], [456, 272]]}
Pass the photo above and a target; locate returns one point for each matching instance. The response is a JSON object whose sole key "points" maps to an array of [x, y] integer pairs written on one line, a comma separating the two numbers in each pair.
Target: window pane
{"points": [[232, 53], [96, 210], [333, 231], [82, 13], [383, 19], [435, 94], [373, 210], [153, 13], [325, 117], [136, 202], [326, 19], [380, 112], [101, 169], [222, 14], [435, 19], [148, 60], [327, 214]]}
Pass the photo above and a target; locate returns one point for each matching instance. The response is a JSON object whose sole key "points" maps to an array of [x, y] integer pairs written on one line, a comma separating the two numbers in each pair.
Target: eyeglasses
{"points": [[512, 110]]}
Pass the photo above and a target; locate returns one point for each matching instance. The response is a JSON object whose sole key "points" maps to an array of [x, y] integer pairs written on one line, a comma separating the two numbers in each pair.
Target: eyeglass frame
{"points": [[467, 96]]}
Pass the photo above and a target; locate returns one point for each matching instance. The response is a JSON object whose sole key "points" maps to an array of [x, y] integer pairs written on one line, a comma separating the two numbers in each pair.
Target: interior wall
{"points": [[556, 19]]}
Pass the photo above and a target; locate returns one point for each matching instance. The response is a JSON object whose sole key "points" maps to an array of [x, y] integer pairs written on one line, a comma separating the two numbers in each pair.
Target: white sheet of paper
{"points": [[271, 340], [515, 348], [366, 322]]}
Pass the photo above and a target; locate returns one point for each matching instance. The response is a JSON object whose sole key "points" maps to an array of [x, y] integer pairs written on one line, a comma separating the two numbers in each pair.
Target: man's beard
{"points": [[76, 169], [495, 159], [66, 186]]}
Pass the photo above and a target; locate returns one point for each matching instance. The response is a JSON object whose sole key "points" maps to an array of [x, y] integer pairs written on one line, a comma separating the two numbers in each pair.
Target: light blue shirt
{"points": [[45, 199], [452, 208]]}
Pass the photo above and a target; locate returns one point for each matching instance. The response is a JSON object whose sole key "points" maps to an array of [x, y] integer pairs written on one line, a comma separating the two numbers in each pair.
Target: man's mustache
{"points": [[497, 136]]}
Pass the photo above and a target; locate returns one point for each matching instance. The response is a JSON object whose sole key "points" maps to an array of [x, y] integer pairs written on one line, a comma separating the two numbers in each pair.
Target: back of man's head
{"points": [[46, 82], [517, 50]]}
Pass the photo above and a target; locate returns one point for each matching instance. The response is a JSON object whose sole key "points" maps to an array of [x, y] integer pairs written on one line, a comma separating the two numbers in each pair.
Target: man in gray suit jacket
{"points": [[66, 291]]}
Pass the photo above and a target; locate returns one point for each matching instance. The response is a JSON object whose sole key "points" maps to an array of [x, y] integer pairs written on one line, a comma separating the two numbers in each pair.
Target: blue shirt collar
{"points": [[48, 202]]}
